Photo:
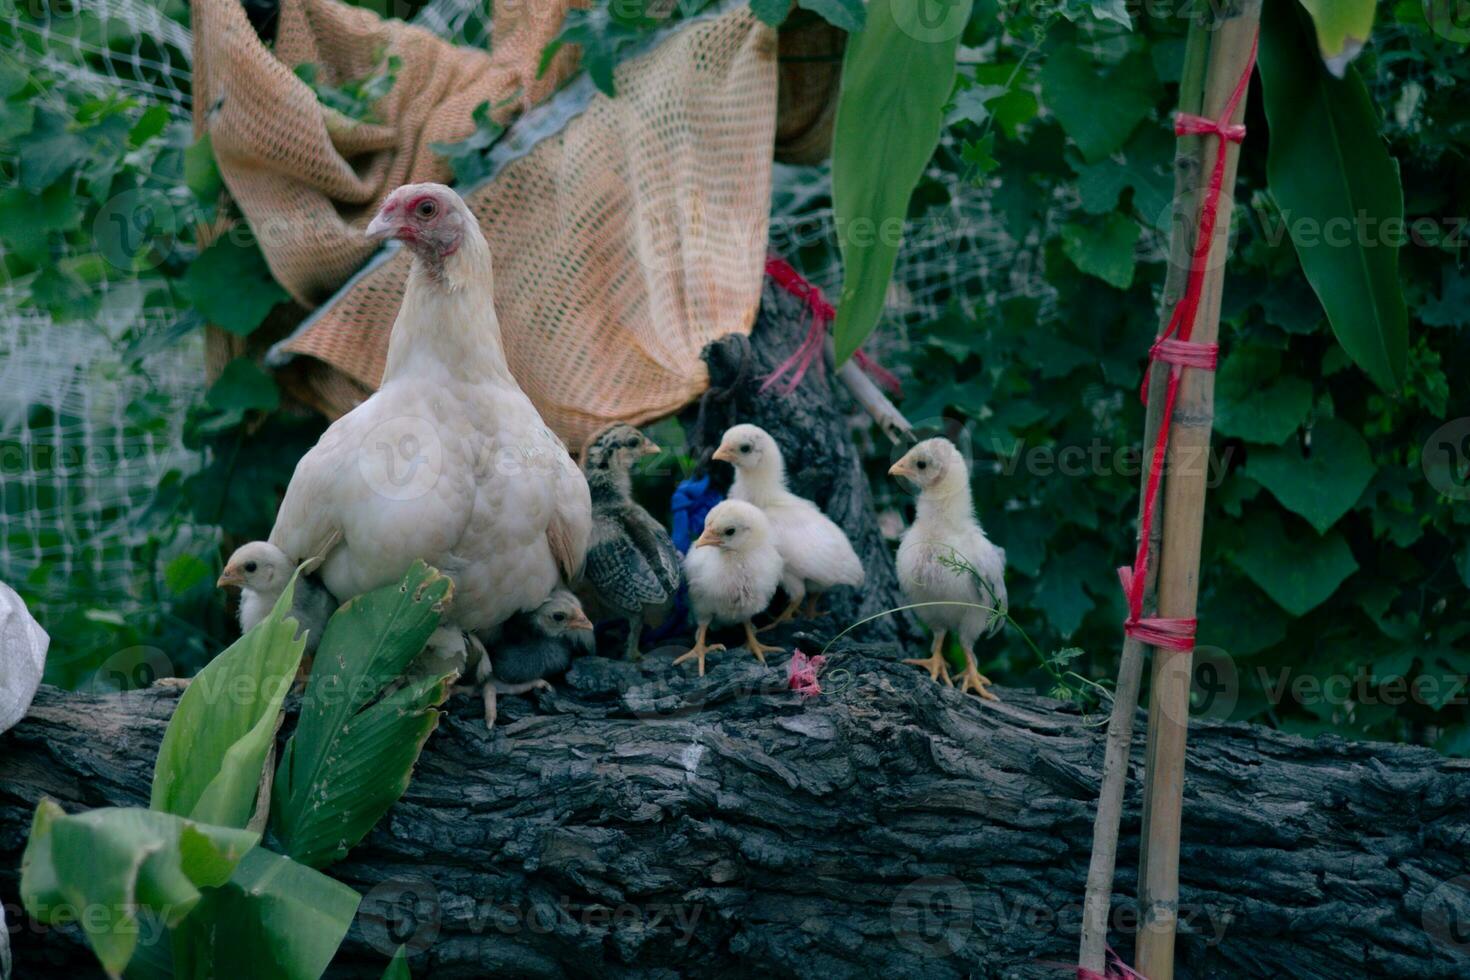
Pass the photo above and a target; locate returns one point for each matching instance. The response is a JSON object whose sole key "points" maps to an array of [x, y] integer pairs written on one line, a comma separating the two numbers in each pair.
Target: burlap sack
{"points": [[622, 244]]}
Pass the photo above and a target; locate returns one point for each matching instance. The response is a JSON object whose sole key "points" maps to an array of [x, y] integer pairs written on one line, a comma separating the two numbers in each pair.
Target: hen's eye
{"points": [[250, 566], [922, 465], [745, 448], [729, 532], [426, 209]]}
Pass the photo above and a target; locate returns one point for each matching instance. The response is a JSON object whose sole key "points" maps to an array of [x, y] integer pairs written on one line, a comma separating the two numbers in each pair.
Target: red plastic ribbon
{"points": [[1174, 348], [809, 351]]}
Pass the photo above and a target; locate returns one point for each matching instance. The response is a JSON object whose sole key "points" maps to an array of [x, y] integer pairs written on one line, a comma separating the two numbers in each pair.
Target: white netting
{"points": [[78, 469]]}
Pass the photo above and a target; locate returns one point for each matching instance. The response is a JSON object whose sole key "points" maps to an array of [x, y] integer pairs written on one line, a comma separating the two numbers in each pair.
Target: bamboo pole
{"points": [[1183, 504], [1097, 901]]}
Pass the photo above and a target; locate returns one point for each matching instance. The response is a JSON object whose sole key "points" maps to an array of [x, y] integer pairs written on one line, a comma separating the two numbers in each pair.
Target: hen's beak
{"points": [[725, 453], [901, 468], [709, 539], [382, 227], [579, 621], [230, 576]]}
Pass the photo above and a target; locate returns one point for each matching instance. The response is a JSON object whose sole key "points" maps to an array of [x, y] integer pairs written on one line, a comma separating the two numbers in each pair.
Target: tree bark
{"points": [[642, 821]]}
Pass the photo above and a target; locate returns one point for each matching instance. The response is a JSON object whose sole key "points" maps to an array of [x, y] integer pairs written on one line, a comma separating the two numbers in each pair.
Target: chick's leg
{"points": [[756, 646], [813, 605], [700, 648], [489, 695], [973, 680], [935, 662], [635, 630], [787, 614]]}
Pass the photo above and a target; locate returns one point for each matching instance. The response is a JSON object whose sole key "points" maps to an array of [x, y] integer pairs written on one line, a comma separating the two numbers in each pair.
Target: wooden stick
{"points": [[1097, 902], [871, 397], [1183, 503]]}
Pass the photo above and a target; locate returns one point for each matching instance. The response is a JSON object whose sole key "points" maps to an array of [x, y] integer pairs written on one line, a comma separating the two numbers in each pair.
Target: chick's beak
{"points": [[709, 539], [230, 576], [651, 448], [579, 621], [725, 453], [900, 468], [382, 227]]}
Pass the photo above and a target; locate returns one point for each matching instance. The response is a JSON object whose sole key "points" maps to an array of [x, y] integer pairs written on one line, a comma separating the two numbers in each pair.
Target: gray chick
{"points": [[533, 646], [633, 569]]}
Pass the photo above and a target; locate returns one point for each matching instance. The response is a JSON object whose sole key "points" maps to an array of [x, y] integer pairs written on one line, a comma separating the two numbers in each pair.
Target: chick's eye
{"points": [[922, 465], [559, 617], [729, 532], [250, 566], [745, 448], [632, 443], [426, 209]]}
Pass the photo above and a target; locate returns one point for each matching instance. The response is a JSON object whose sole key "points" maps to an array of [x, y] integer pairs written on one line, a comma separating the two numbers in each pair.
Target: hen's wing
{"points": [[308, 524], [571, 523]]}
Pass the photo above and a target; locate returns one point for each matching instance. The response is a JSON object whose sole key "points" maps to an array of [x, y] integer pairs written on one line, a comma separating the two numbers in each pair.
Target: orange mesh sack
{"points": [[626, 232]]}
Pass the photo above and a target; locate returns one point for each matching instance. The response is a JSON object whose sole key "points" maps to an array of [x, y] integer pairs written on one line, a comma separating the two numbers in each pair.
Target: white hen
{"points": [[732, 569], [937, 554], [448, 461], [816, 553]]}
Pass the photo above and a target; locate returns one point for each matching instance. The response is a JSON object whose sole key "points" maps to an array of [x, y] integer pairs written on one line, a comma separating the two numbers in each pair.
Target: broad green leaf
{"points": [[884, 135], [273, 919], [110, 864], [1343, 27], [50, 150], [772, 12], [355, 747], [211, 759], [231, 286], [1106, 249], [1254, 401], [849, 15], [201, 173], [1299, 569], [1017, 106], [1238, 619], [1320, 479], [1098, 110], [1338, 191], [1145, 168], [243, 386], [398, 966], [185, 572]]}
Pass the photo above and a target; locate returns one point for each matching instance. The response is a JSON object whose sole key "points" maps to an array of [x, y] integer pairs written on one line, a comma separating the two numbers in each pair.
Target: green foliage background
{"points": [[1328, 551]]}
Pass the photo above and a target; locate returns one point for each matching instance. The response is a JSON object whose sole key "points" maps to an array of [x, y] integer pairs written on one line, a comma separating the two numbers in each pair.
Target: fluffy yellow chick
{"points": [[946, 534], [816, 553], [732, 569]]}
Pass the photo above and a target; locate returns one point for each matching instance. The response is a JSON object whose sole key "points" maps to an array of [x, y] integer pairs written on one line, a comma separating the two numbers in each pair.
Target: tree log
{"points": [[642, 821]]}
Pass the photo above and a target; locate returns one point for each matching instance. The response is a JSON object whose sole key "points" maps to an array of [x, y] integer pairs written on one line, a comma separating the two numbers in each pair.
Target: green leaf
{"points": [[884, 135], [1298, 570], [771, 12], [1337, 189], [1105, 250], [1343, 27], [1098, 110], [149, 125], [398, 967], [49, 151], [201, 173], [273, 919], [210, 762], [1319, 478], [244, 386], [1145, 168], [231, 286], [355, 747], [184, 573], [113, 863], [849, 15], [1254, 402], [1017, 106]]}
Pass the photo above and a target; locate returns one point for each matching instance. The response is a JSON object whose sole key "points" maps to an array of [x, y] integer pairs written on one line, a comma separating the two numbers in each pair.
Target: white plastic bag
{"points": [[22, 657]]}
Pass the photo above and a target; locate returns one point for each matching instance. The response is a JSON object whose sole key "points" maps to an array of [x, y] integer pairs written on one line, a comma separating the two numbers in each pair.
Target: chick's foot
{"points": [[936, 667], [972, 681], [756, 646]]}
